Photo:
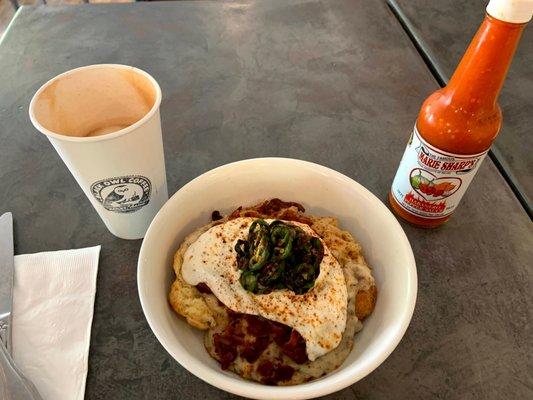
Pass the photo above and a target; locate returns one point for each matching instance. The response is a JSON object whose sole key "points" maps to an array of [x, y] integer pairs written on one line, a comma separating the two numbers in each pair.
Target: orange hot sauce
{"points": [[455, 128]]}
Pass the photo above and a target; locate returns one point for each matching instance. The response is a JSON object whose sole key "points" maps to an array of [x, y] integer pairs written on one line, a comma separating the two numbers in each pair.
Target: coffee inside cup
{"points": [[94, 101]]}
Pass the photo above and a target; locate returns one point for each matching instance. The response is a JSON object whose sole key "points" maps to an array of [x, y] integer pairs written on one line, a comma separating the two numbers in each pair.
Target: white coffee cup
{"points": [[104, 122]]}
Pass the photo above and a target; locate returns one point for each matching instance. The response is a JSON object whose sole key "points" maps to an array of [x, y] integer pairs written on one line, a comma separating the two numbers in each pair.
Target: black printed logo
{"points": [[123, 194]]}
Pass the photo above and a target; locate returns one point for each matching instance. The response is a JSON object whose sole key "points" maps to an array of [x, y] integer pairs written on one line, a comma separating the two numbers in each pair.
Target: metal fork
{"points": [[13, 384]]}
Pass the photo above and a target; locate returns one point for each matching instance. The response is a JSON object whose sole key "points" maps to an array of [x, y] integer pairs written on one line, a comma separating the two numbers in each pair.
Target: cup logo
{"points": [[123, 194]]}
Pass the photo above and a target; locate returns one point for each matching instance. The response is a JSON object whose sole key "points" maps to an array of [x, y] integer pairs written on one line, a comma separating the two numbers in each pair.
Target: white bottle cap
{"points": [[514, 11]]}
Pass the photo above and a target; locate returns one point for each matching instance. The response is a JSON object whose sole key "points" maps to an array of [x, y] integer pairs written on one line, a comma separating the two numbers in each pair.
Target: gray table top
{"points": [[444, 28], [335, 82]]}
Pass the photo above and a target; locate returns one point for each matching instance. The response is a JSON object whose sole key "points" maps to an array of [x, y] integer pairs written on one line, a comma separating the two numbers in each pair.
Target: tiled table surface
{"points": [[335, 82]]}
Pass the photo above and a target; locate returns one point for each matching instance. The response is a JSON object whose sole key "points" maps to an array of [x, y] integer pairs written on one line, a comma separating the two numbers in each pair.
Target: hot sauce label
{"points": [[431, 182]]}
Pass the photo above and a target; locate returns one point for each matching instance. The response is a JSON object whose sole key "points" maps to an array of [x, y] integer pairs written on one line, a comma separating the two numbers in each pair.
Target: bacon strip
{"points": [[248, 336]]}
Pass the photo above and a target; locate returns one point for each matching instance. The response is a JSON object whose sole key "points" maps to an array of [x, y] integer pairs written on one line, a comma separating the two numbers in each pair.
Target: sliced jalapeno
{"points": [[278, 255], [282, 236], [270, 274], [248, 281], [257, 224], [316, 243], [241, 247], [260, 254]]}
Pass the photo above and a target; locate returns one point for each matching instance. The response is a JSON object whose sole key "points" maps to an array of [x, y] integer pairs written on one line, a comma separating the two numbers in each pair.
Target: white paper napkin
{"points": [[53, 302]]}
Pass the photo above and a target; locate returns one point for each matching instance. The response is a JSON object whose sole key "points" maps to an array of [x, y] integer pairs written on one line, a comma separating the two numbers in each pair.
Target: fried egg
{"points": [[318, 315]]}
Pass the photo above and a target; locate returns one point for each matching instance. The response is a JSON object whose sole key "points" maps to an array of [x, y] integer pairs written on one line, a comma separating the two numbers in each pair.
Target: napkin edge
{"points": [[85, 361]]}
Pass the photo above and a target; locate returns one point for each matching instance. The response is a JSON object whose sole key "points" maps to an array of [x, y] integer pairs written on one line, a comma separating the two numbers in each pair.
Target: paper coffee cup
{"points": [[104, 122]]}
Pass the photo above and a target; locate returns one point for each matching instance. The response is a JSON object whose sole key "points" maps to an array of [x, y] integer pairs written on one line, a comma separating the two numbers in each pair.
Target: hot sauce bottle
{"points": [[458, 123]]}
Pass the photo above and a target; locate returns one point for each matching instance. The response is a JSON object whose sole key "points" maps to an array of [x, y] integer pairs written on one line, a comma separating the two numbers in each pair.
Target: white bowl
{"points": [[322, 191]]}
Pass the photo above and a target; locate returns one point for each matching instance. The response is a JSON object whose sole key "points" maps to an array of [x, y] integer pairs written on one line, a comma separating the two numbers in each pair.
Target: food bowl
{"points": [[322, 191]]}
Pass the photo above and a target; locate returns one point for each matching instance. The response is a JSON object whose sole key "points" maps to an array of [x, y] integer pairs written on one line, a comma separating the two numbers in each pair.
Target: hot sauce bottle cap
{"points": [[514, 11]]}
